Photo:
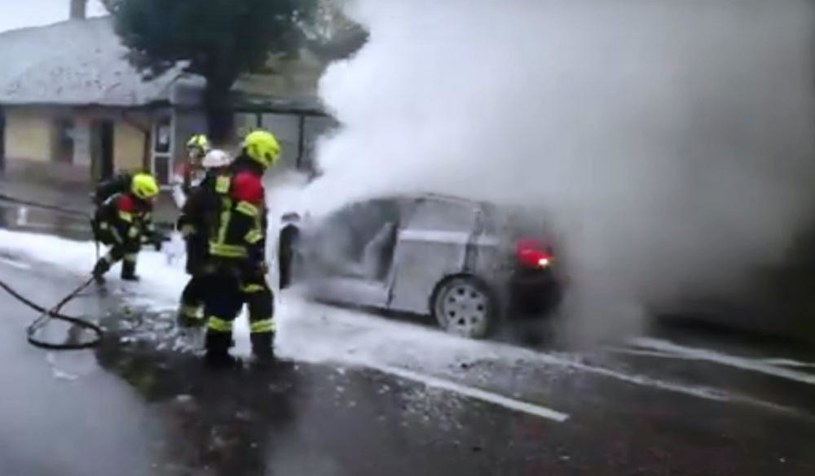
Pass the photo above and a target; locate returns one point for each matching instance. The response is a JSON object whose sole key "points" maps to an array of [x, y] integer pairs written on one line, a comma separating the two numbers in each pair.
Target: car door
{"points": [[432, 244], [353, 251]]}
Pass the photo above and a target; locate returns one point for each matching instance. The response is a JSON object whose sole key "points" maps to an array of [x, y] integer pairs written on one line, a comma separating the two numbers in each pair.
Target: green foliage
{"points": [[219, 39]]}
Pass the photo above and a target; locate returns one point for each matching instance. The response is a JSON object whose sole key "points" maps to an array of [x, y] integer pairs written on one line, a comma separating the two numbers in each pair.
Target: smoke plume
{"points": [[669, 141]]}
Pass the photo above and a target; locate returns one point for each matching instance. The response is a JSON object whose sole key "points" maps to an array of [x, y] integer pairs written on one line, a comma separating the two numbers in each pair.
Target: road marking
{"points": [[14, 264], [725, 359], [472, 392], [788, 363], [650, 353]]}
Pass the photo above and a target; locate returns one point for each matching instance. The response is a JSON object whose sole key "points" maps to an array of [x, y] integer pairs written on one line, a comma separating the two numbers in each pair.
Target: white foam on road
{"points": [[317, 333], [743, 363]]}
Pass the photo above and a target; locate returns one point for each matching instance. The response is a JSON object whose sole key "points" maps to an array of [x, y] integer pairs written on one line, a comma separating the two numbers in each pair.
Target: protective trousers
{"points": [[192, 300], [231, 289], [125, 250], [194, 293]]}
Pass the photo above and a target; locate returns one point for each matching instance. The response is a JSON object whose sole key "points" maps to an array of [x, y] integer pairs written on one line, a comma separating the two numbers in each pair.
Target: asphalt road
{"points": [[677, 404]]}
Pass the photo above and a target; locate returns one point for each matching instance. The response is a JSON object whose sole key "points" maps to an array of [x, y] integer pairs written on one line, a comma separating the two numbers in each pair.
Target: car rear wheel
{"points": [[465, 307]]}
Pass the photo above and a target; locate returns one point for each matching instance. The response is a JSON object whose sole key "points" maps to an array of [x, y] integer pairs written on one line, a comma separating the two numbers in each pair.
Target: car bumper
{"points": [[533, 292]]}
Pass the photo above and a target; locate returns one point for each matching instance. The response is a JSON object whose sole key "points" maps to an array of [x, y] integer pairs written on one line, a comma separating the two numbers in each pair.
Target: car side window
{"points": [[350, 229], [442, 215]]}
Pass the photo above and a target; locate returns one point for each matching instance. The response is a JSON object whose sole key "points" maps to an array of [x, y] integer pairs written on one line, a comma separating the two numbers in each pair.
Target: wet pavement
{"points": [[671, 403]]}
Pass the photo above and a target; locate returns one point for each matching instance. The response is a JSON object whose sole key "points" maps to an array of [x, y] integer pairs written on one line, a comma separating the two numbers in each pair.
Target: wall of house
{"points": [[28, 135], [128, 146], [31, 142], [34, 150]]}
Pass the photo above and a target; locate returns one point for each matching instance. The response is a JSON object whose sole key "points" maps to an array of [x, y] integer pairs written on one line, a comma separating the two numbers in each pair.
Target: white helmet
{"points": [[216, 158]]}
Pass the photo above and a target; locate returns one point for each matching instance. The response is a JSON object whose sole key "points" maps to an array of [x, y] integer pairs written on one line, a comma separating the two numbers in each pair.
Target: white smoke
{"points": [[671, 141]]}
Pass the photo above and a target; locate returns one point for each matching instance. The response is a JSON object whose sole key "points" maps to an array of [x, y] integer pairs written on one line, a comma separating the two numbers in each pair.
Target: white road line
{"points": [[14, 264], [788, 363], [651, 353], [471, 392], [725, 359]]}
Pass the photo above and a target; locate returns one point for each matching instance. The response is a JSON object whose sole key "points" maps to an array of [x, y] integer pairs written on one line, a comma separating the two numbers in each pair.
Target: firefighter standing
{"points": [[123, 222], [237, 249], [197, 148], [193, 225]]}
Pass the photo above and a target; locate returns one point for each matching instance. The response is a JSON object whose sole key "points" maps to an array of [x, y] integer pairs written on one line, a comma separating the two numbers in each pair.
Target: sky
{"points": [[19, 14]]}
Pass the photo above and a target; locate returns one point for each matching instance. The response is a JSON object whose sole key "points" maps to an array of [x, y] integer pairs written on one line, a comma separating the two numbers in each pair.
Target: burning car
{"points": [[469, 264]]}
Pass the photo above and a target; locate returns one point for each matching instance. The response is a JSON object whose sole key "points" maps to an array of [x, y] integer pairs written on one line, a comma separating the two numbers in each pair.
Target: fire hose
{"points": [[55, 312]]}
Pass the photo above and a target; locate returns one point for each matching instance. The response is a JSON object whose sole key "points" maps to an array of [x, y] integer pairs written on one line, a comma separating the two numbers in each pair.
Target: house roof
{"points": [[76, 62]]}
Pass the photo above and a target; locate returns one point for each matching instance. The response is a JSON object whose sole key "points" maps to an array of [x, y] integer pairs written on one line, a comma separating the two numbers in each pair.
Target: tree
{"points": [[217, 39]]}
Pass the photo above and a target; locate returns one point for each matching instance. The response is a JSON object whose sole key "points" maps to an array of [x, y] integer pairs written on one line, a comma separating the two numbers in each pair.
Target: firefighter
{"points": [[119, 183], [197, 149], [237, 249], [193, 225], [189, 172], [123, 222]]}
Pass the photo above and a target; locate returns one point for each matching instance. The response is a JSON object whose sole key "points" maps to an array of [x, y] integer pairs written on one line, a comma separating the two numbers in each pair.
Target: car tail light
{"points": [[531, 253]]}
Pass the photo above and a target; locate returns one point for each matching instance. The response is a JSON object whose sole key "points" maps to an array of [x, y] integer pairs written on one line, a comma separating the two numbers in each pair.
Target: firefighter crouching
{"points": [[237, 250], [120, 183], [193, 225], [123, 222]]}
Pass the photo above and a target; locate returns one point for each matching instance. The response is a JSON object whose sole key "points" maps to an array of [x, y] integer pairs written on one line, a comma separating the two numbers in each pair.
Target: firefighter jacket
{"points": [[196, 212], [125, 220], [238, 230], [195, 222]]}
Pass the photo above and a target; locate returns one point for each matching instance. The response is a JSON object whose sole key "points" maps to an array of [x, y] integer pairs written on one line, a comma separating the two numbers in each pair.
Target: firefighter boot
{"points": [[102, 267], [263, 345], [129, 269], [217, 346]]}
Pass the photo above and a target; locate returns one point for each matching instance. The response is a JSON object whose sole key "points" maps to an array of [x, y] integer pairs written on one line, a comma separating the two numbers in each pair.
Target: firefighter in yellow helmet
{"points": [[198, 146], [191, 171], [123, 222], [237, 242]]}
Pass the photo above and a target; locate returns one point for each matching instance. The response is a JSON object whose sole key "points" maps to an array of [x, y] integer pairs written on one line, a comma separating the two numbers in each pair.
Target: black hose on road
{"points": [[54, 313]]}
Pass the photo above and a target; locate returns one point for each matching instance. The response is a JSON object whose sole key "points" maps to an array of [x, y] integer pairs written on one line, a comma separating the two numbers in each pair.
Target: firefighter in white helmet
{"points": [[193, 227]]}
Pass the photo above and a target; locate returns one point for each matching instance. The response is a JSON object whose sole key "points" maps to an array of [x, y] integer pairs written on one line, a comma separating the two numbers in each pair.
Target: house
{"points": [[74, 110]]}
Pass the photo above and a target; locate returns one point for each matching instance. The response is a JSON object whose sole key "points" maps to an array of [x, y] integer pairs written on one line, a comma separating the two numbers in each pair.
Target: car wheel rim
{"points": [[464, 309]]}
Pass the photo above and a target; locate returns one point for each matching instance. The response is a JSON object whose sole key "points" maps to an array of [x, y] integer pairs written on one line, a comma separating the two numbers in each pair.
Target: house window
{"points": [[161, 164], [64, 141]]}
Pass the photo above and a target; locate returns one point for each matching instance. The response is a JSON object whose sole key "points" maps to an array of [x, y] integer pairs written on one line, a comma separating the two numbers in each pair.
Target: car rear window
{"points": [[515, 221], [443, 215]]}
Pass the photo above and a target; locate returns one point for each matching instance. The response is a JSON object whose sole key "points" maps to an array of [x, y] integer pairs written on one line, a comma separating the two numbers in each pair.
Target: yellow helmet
{"points": [[144, 186], [262, 147], [198, 142]]}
